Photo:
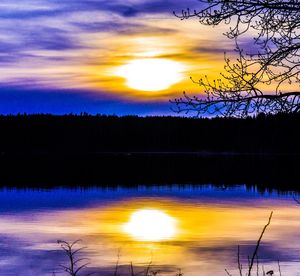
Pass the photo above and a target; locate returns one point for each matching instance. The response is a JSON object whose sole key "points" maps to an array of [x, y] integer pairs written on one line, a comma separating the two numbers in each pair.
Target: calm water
{"points": [[196, 229]]}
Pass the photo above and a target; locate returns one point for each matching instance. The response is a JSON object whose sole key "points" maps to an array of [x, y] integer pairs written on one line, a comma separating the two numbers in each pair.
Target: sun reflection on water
{"points": [[198, 234], [150, 225]]}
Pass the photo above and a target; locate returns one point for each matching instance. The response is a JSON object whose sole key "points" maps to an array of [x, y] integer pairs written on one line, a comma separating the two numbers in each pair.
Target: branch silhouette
{"points": [[273, 62]]}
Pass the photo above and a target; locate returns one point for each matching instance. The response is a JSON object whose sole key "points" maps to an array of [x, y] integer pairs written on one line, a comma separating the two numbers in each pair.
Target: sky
{"points": [[107, 57]]}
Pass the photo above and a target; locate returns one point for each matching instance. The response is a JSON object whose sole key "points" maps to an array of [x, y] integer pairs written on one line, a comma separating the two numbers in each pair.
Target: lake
{"points": [[195, 229]]}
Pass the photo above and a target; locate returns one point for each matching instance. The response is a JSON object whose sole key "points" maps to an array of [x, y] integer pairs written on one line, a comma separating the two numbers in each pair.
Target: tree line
{"points": [[95, 134]]}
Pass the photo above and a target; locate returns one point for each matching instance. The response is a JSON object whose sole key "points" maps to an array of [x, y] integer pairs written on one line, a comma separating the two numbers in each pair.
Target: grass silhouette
{"points": [[77, 264]]}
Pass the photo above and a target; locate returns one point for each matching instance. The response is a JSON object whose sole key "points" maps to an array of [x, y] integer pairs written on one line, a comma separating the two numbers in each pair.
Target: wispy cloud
{"points": [[78, 44]]}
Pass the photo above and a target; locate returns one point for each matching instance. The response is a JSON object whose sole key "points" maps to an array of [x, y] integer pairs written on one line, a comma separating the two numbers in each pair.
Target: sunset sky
{"points": [[96, 56]]}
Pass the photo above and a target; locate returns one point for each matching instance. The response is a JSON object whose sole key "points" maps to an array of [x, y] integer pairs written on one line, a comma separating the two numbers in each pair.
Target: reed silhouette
{"points": [[77, 264], [253, 260]]}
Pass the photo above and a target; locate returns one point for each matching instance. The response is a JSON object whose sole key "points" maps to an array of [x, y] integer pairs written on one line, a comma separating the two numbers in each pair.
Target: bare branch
{"points": [[274, 60]]}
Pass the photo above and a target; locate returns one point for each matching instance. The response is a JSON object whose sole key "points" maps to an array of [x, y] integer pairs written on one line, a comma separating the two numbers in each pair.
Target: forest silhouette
{"points": [[48, 134]]}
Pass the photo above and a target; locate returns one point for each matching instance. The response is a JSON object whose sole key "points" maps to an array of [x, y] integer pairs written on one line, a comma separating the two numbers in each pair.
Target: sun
{"points": [[150, 225], [151, 74]]}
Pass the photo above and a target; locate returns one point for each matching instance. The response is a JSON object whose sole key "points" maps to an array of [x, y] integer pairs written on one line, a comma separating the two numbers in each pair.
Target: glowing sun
{"points": [[151, 74], [150, 225]]}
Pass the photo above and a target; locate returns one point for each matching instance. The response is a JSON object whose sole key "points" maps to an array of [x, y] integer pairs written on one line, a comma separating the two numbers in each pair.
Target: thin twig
{"points": [[131, 269], [227, 272], [297, 200], [279, 268], [257, 244], [239, 262], [117, 263]]}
